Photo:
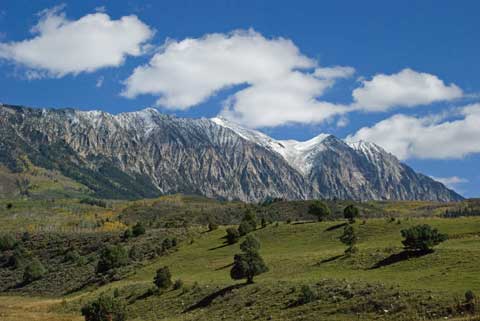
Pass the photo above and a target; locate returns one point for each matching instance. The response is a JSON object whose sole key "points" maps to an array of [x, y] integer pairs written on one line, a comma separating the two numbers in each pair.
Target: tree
{"points": [[422, 238], [105, 308], [320, 210], [349, 238], [249, 263], [251, 243], [163, 279], [248, 224], [34, 271], [351, 212], [138, 229], [127, 234], [307, 295], [232, 235], [112, 256]]}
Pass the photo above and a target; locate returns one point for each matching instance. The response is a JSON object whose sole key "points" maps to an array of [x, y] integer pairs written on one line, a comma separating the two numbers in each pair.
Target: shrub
{"points": [[232, 235], [138, 229], [105, 308], [351, 212], [320, 210], [469, 296], [34, 271], [307, 295], [26, 237], [163, 279], [72, 256], [127, 234], [9, 206], [7, 242], [212, 226], [19, 257], [112, 256], [264, 223], [178, 284], [135, 253], [422, 238]]}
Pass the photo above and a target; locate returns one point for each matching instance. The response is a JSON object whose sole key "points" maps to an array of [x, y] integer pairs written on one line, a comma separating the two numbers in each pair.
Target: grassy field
{"points": [[377, 283]]}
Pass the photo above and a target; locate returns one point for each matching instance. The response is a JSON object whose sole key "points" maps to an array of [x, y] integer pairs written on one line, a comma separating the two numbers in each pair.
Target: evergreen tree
{"points": [[249, 263], [351, 212], [422, 238], [320, 210], [248, 224], [349, 238], [232, 235], [163, 279]]}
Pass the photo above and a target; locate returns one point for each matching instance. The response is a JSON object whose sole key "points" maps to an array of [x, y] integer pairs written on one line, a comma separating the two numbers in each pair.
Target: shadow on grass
{"points": [[303, 222], [399, 257], [334, 227], [224, 267], [206, 301], [219, 247], [331, 259]]}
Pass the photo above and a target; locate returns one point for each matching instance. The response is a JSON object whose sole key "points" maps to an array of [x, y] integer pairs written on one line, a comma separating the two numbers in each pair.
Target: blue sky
{"points": [[429, 127]]}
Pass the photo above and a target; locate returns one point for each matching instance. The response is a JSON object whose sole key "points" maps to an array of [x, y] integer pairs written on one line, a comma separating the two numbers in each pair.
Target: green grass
{"points": [[294, 254]]}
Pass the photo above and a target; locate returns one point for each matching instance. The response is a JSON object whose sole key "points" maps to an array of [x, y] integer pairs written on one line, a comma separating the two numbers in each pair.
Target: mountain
{"points": [[146, 153]]}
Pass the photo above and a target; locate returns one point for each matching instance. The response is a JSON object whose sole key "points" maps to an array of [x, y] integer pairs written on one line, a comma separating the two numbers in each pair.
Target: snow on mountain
{"points": [[299, 155]]}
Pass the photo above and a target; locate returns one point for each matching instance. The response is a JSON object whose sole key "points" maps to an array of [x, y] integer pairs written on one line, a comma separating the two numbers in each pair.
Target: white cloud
{"points": [[281, 84], [427, 137], [61, 46], [452, 181], [336, 72], [408, 88]]}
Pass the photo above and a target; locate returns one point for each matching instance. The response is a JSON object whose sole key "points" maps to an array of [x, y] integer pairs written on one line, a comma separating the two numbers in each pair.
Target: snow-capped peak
{"points": [[299, 155]]}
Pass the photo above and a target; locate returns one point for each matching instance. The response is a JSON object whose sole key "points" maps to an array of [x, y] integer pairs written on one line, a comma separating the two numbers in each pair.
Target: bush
{"points": [[264, 223], [422, 238], [9, 206], [72, 256], [232, 235], [127, 234], [320, 210], [7, 242], [112, 256], [212, 226], [138, 229], [469, 296], [163, 279], [351, 212], [34, 271], [178, 284], [19, 257], [135, 253], [307, 295], [26, 237], [105, 308]]}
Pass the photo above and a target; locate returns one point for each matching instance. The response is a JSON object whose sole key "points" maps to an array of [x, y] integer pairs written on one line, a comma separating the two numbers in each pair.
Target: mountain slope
{"points": [[146, 153]]}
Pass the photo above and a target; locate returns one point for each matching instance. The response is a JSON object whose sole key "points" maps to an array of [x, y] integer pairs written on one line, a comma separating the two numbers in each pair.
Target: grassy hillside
{"points": [[310, 254], [377, 283]]}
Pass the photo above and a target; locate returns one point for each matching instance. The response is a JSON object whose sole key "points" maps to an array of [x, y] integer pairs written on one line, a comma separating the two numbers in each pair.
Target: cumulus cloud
{"points": [[61, 46], [408, 88], [281, 84], [336, 72], [426, 137]]}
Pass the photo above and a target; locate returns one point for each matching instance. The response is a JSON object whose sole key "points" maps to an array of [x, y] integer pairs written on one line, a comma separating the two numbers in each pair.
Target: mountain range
{"points": [[147, 153]]}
